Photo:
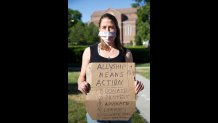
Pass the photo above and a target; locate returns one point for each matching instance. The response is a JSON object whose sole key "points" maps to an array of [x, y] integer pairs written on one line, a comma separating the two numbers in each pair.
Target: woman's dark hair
{"points": [[117, 43]]}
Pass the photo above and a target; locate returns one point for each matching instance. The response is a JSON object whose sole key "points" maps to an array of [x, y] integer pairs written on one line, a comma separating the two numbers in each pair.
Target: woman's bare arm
{"points": [[82, 84], [138, 84], [129, 57]]}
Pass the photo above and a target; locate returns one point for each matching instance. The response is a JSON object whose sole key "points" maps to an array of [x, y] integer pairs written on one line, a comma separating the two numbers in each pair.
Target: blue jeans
{"points": [[89, 120]]}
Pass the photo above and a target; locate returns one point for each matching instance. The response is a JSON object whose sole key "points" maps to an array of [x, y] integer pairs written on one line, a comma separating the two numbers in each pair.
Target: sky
{"points": [[87, 7]]}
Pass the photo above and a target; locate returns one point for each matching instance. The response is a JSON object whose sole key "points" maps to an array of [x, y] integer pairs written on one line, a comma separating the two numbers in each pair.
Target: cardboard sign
{"points": [[112, 93]]}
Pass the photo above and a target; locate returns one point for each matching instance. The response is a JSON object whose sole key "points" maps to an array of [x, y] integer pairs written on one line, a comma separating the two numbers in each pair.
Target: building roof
{"points": [[122, 11], [127, 10]]}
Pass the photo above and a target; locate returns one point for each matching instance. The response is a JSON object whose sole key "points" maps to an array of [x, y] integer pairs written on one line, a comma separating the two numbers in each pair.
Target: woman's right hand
{"points": [[83, 87]]}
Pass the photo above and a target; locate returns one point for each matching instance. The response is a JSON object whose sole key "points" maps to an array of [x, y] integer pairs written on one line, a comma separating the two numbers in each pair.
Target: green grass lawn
{"points": [[73, 77], [77, 112], [144, 72], [143, 69], [76, 109], [143, 65], [76, 106]]}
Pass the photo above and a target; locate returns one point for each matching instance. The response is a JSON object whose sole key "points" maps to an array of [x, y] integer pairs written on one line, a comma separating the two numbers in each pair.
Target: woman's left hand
{"points": [[138, 86]]}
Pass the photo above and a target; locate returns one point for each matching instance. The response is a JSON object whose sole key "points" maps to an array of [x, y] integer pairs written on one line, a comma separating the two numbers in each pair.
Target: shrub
{"points": [[140, 54]]}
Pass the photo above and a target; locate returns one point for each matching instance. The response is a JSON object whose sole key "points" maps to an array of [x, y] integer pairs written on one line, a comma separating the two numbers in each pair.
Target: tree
{"points": [[77, 35], [83, 34], [74, 16], [143, 21], [139, 3], [78, 32], [91, 33]]}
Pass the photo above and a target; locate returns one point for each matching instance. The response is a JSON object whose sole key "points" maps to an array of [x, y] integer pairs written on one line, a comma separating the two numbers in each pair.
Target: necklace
{"points": [[111, 51]]}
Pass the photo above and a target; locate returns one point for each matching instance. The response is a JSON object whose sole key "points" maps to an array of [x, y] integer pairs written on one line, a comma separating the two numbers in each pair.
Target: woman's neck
{"points": [[107, 47]]}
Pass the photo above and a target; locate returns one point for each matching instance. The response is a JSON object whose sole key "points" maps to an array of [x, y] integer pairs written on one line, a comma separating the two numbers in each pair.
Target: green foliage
{"points": [[75, 54], [140, 54], [91, 34], [138, 3], [83, 34], [78, 32], [136, 118], [143, 21], [74, 16], [143, 65], [138, 40], [134, 5], [77, 35]]}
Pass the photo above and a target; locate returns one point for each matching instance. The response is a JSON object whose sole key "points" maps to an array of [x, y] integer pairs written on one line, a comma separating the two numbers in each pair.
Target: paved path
{"points": [[143, 99]]}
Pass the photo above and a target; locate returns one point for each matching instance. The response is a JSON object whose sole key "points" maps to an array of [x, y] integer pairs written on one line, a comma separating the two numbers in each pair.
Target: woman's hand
{"points": [[138, 86], [83, 87]]}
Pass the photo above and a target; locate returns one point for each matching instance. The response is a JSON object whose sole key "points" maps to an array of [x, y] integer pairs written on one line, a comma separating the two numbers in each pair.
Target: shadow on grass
{"points": [[74, 69], [73, 88]]}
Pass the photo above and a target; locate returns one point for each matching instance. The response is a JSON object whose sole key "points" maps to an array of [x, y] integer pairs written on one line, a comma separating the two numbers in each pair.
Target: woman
{"points": [[109, 49]]}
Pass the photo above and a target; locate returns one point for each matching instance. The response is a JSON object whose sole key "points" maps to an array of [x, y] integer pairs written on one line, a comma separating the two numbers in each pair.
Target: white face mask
{"points": [[107, 37]]}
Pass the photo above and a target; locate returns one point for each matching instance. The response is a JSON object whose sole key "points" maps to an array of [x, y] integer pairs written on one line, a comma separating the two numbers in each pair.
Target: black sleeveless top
{"points": [[95, 57]]}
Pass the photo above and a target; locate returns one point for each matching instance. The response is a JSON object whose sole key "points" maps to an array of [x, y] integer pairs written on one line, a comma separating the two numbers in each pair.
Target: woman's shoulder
{"points": [[87, 50], [128, 55]]}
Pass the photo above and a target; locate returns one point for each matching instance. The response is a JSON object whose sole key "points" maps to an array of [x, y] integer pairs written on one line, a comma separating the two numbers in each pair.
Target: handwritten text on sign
{"points": [[112, 94]]}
